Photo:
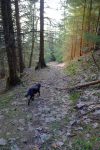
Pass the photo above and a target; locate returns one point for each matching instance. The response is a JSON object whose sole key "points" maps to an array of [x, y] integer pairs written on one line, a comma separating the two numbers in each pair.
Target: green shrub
{"points": [[82, 145], [59, 56], [72, 69], [74, 97], [6, 99]]}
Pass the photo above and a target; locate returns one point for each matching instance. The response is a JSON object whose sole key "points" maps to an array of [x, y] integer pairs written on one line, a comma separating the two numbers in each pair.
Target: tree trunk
{"points": [[2, 66], [19, 42], [76, 35], [82, 30], [33, 38], [97, 45], [31, 55], [98, 22], [89, 17], [72, 47], [9, 42], [41, 63]]}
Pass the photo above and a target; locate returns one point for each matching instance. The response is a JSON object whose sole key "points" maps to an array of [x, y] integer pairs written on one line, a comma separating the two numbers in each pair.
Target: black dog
{"points": [[32, 91]]}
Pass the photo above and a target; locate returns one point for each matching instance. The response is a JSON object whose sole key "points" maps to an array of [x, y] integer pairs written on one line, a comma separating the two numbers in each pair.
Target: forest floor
{"points": [[57, 120]]}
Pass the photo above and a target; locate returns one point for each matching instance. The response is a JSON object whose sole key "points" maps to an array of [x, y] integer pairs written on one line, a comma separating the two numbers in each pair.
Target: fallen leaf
{"points": [[36, 147], [54, 145]]}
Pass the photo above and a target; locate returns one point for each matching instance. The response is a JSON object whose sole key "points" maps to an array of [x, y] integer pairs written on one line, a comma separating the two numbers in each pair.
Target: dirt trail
{"points": [[41, 124], [57, 120]]}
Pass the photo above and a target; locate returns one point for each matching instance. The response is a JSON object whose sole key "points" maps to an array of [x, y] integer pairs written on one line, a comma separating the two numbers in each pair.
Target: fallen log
{"points": [[85, 84], [80, 86]]}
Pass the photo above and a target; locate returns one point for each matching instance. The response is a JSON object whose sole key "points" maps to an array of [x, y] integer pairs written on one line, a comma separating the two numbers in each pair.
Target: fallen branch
{"points": [[80, 86], [86, 84]]}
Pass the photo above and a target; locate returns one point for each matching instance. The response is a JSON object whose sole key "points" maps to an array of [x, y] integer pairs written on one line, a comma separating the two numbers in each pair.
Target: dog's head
{"points": [[38, 84]]}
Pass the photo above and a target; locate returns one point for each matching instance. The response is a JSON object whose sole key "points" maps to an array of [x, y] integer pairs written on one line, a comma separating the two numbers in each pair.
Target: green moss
{"points": [[56, 125], [87, 128], [82, 145], [14, 113], [97, 94], [7, 147], [65, 120], [6, 99], [74, 97]]}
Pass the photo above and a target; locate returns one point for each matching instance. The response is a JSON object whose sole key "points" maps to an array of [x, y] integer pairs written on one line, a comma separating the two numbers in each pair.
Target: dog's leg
{"points": [[32, 98], [29, 101], [39, 92]]}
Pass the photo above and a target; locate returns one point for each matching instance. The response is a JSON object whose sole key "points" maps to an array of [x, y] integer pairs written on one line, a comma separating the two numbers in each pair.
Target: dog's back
{"points": [[33, 90], [36, 88], [29, 92]]}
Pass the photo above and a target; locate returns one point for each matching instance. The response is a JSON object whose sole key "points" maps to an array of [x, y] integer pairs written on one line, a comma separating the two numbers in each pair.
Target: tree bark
{"points": [[89, 17], [98, 22], [81, 40], [9, 42], [2, 66], [31, 55], [19, 42], [97, 45], [41, 63], [33, 38]]}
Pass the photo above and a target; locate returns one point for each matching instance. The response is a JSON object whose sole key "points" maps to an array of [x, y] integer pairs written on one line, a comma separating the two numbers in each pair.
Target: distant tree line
{"points": [[80, 27]]}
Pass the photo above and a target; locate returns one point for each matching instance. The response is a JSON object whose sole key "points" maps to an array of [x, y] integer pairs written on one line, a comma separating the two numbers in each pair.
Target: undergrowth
{"points": [[82, 145], [74, 97], [72, 69], [5, 99]]}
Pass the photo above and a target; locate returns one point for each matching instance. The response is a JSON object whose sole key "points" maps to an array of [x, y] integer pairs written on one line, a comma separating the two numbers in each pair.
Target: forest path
{"points": [[44, 122], [56, 120]]}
